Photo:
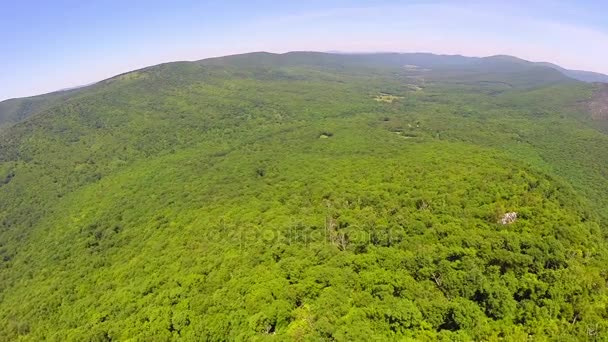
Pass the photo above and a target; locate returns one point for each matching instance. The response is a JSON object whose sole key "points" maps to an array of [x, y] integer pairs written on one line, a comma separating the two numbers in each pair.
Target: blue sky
{"points": [[50, 45]]}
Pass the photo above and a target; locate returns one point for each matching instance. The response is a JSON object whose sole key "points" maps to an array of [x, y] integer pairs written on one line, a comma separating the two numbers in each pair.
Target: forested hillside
{"points": [[16, 110], [308, 197]]}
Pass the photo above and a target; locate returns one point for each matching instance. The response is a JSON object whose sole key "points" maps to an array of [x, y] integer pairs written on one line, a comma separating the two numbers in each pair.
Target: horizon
{"points": [[84, 43]]}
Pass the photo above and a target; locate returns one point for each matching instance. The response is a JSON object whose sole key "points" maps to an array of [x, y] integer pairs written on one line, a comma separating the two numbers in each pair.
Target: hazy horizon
{"points": [[53, 46]]}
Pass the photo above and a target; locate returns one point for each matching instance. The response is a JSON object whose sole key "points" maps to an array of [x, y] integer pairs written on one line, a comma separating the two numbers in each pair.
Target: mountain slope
{"points": [[16, 110], [585, 76], [307, 197]]}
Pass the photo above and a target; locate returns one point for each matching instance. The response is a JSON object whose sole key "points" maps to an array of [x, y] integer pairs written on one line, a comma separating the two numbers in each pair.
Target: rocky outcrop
{"points": [[509, 218]]}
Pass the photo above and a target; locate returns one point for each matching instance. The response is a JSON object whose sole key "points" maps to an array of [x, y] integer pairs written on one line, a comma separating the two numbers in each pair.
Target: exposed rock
{"points": [[509, 218]]}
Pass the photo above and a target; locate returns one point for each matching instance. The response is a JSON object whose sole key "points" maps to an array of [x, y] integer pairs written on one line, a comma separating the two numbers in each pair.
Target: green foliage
{"points": [[196, 201]]}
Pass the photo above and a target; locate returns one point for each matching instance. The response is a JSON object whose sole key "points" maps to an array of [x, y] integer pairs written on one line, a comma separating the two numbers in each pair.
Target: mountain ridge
{"points": [[18, 109], [598, 77]]}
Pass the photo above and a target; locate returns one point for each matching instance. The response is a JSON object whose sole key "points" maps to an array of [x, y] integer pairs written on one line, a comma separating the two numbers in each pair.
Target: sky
{"points": [[52, 45]]}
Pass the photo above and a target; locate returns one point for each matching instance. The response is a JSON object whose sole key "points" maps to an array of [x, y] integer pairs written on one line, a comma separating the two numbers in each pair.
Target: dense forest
{"points": [[308, 197]]}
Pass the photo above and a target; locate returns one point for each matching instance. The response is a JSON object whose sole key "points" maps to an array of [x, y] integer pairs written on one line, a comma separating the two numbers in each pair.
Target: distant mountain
{"points": [[585, 76], [510, 70], [491, 74], [424, 58]]}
